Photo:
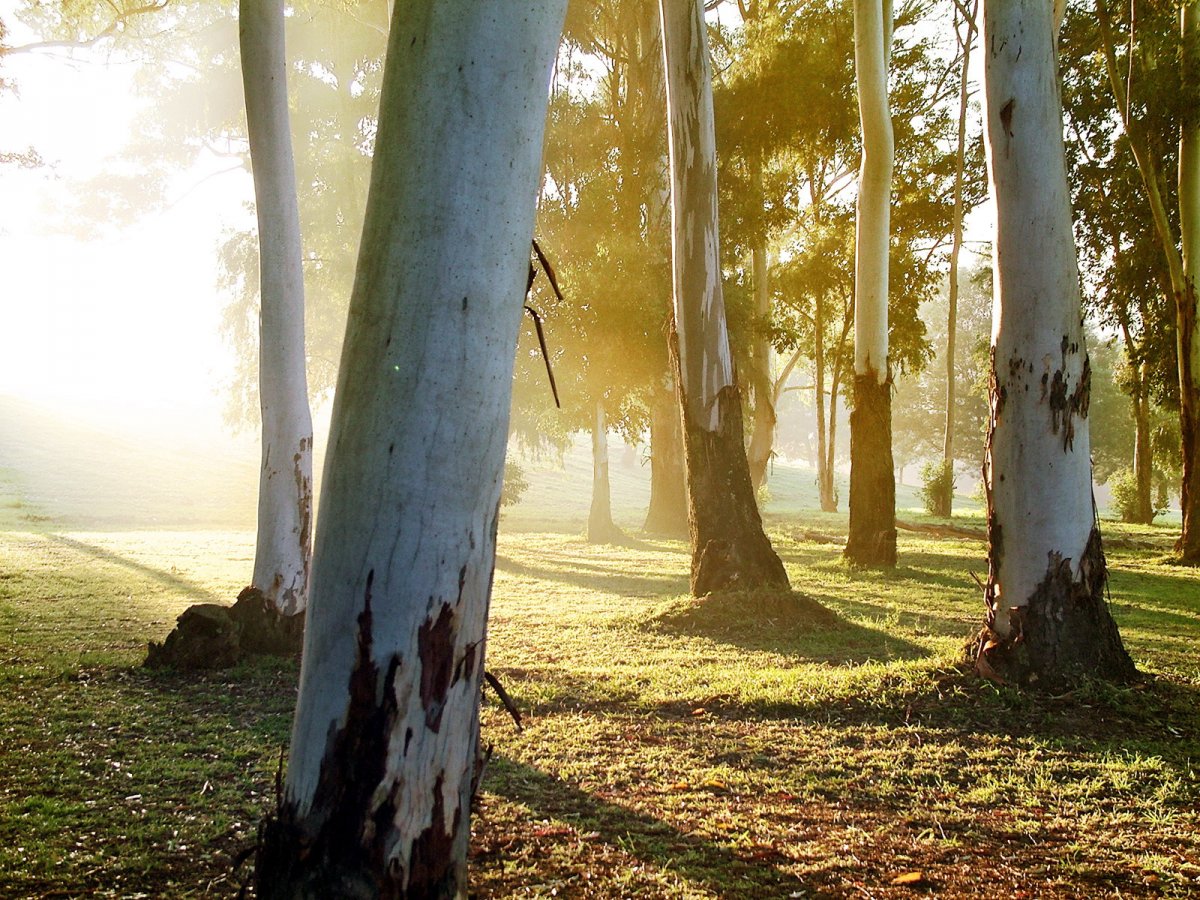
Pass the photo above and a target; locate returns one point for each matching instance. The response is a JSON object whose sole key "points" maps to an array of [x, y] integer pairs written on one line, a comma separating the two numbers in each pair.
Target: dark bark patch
{"points": [[1064, 635], [730, 550], [435, 650], [434, 870], [339, 849], [1065, 407], [872, 537]]}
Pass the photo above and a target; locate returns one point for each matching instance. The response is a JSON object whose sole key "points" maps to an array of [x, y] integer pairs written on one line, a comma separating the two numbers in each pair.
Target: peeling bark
{"points": [[377, 798], [730, 550], [1063, 634], [872, 537], [285, 493], [1047, 622]]}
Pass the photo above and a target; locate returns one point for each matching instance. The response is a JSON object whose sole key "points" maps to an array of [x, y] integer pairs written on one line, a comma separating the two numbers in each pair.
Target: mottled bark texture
{"points": [[1188, 293], [1064, 634], [729, 546], [667, 514], [872, 538], [1047, 621], [383, 757], [730, 550]]}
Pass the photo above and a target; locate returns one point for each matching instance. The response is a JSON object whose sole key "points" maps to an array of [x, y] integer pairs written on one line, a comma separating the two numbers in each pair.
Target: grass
{"points": [[745, 747]]}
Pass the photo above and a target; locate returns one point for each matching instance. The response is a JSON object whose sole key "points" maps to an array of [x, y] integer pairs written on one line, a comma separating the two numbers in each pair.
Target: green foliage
{"points": [[515, 483], [937, 486], [1123, 485]]}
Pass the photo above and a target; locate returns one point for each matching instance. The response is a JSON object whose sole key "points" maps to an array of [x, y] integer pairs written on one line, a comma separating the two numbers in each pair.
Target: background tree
{"points": [[377, 801], [729, 547], [1047, 623], [872, 539], [282, 549]]}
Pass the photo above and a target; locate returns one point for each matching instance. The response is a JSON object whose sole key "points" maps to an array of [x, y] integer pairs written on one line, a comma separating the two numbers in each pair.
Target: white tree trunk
{"points": [[384, 744], [872, 221], [729, 547], [601, 528], [872, 537], [283, 549], [1048, 624], [705, 360], [1038, 465]]}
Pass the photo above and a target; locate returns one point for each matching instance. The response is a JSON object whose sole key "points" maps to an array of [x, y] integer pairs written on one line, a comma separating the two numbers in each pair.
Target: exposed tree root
{"points": [[1064, 635], [212, 636]]}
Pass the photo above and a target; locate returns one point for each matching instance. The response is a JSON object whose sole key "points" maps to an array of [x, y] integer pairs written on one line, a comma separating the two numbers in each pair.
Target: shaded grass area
{"points": [[731, 747]]}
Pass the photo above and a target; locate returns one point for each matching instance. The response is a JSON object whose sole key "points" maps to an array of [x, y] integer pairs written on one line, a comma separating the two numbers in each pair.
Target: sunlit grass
{"points": [[671, 748]]}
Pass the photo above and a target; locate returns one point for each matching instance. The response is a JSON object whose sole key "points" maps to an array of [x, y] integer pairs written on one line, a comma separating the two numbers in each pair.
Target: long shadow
{"points": [[597, 578], [189, 588], [649, 839]]}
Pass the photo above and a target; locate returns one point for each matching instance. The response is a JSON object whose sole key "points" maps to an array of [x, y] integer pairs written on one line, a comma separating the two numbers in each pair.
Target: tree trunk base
{"points": [[213, 636], [605, 533], [730, 550], [1064, 636], [872, 538]]}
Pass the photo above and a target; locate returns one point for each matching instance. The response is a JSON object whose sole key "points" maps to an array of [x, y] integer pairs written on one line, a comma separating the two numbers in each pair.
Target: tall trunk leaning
{"points": [[384, 745], [1047, 620], [872, 538], [729, 547], [285, 502]]}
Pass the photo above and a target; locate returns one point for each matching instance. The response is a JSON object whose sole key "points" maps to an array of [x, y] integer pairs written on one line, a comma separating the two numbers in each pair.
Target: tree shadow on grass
{"points": [[650, 840], [190, 589], [596, 577], [786, 622]]}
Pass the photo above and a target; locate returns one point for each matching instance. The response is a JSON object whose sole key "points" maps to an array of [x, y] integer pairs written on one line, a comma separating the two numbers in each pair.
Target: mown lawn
{"points": [[672, 748]]}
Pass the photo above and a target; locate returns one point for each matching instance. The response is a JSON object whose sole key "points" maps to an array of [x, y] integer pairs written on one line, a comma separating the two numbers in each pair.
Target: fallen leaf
{"points": [[909, 878]]}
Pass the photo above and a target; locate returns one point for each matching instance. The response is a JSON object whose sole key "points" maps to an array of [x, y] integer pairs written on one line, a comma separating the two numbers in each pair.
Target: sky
{"points": [[122, 326]]}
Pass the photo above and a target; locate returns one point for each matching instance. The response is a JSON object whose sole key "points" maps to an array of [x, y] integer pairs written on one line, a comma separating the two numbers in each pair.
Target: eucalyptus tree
{"points": [[1145, 63], [729, 547], [786, 98], [383, 754], [1047, 620], [282, 552], [872, 538]]}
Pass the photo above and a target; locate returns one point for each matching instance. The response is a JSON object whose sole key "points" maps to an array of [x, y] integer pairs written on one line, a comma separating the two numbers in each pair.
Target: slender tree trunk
{"points": [[945, 503], [1047, 622], [729, 547], [1188, 299], [600, 528], [831, 442], [1143, 462], [379, 782], [762, 434], [668, 512], [1187, 315], [872, 538], [283, 549], [825, 494]]}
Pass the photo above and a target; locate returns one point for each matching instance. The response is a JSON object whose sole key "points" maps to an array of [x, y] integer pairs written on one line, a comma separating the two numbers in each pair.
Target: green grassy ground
{"points": [[672, 747]]}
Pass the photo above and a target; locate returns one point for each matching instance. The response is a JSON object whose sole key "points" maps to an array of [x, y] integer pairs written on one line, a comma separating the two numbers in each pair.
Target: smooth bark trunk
{"points": [[729, 546], [944, 505], [600, 527], [285, 502], [1047, 620], [762, 433], [384, 745], [872, 537], [667, 514]]}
